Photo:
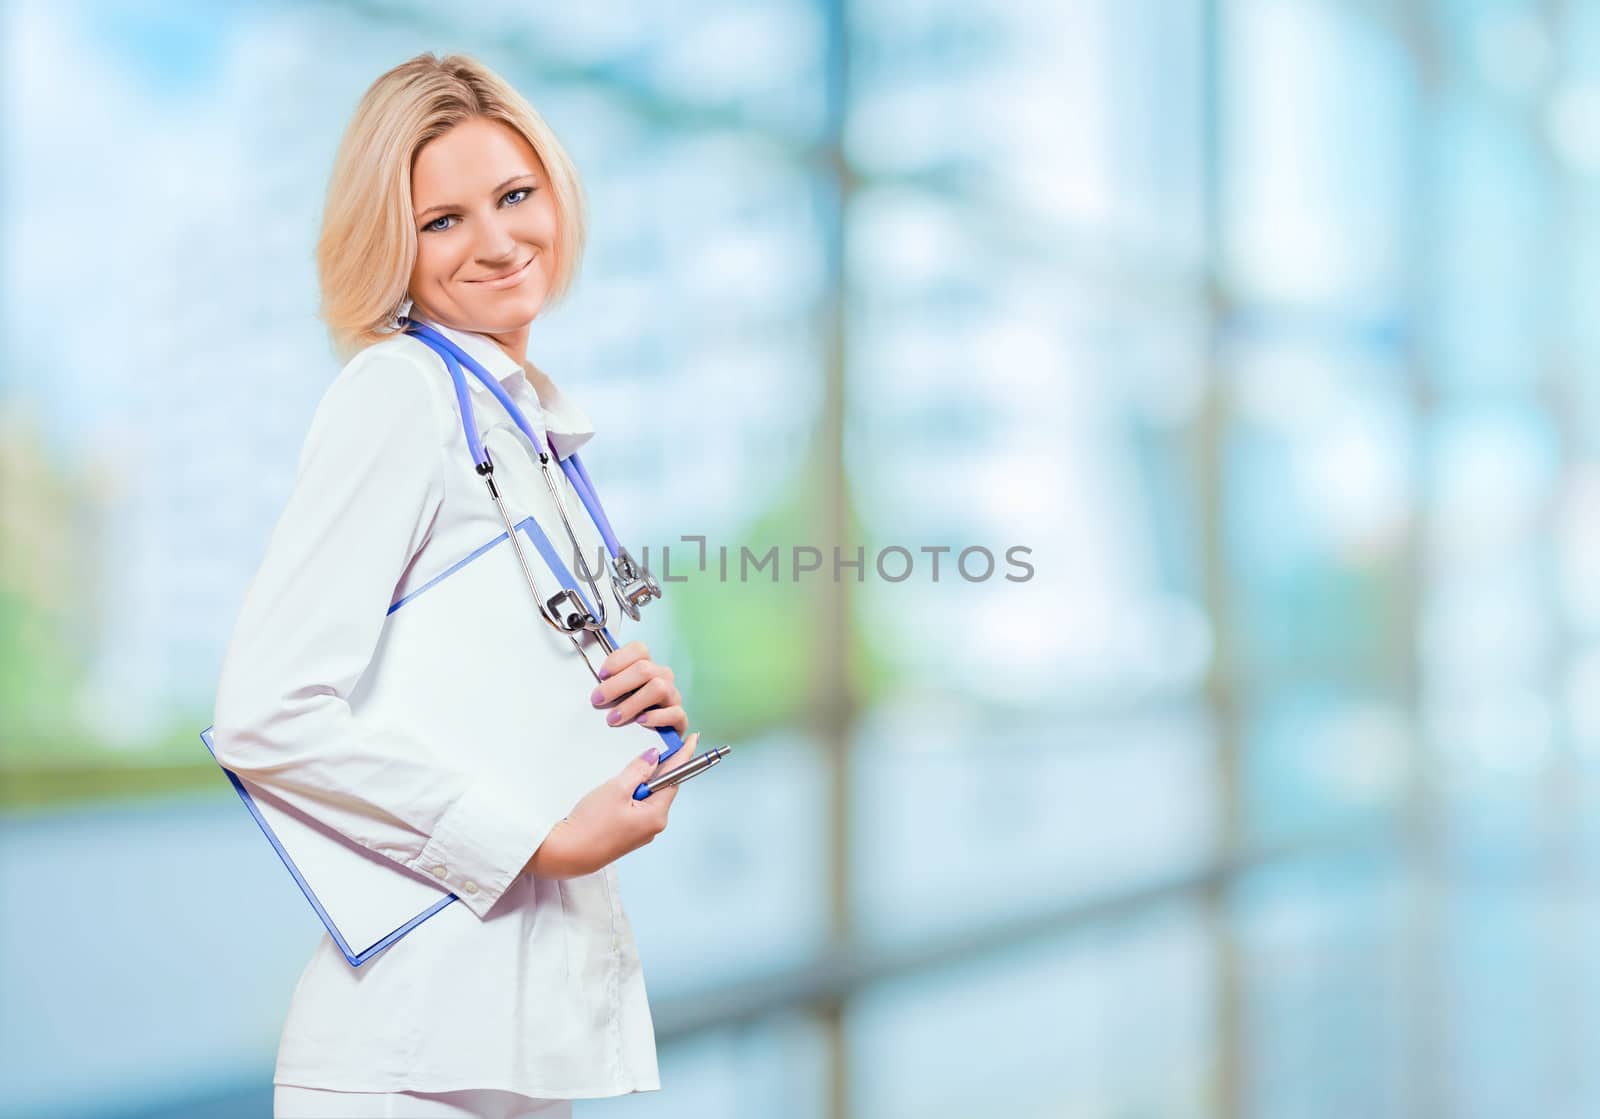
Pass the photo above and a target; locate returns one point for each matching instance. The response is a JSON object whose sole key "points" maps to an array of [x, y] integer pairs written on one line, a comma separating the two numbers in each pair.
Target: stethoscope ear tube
{"points": [[637, 587], [571, 623]]}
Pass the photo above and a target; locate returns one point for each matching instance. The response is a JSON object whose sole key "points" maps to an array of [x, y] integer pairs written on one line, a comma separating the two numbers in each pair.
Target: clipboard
{"points": [[367, 901]]}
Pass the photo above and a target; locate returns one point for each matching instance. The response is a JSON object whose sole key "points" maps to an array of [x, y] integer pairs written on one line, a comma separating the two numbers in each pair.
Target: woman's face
{"points": [[486, 231]]}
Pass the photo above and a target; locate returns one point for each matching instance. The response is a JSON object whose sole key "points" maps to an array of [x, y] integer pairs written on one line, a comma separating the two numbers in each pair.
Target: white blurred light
{"points": [[1484, 627], [1579, 544], [1573, 121], [1513, 50], [1367, 755], [1356, 476], [1286, 390], [1162, 641], [897, 234], [1583, 703], [1491, 470], [722, 56], [1348, 452], [1507, 731], [1319, 125]]}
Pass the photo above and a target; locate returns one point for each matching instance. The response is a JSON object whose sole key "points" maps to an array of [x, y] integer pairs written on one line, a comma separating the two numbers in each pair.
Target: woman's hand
{"points": [[630, 669], [608, 823]]}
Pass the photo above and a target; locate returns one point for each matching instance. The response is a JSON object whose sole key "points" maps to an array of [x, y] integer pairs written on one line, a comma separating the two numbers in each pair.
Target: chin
{"points": [[507, 314], [525, 308]]}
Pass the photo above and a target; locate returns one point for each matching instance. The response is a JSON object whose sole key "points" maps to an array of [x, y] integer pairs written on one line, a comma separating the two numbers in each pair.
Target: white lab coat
{"points": [[526, 985]]}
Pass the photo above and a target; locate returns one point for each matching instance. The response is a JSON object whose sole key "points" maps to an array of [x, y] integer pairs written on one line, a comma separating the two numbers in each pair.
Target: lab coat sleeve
{"points": [[369, 483]]}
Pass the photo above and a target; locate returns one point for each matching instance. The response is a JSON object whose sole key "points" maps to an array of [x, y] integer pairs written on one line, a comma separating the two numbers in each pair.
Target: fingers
{"points": [[639, 769], [656, 693], [621, 658], [684, 755], [668, 716], [650, 684], [655, 805], [644, 768], [626, 679], [661, 800], [679, 756]]}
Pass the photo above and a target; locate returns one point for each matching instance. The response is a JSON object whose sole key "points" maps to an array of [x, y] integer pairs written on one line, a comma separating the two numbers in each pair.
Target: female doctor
{"points": [[450, 202]]}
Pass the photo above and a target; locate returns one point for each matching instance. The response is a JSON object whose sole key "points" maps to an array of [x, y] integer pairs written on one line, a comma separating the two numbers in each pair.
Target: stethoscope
{"points": [[566, 612]]}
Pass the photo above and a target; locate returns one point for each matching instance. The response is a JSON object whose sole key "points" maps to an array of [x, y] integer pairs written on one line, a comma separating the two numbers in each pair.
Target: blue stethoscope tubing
{"points": [[454, 358]]}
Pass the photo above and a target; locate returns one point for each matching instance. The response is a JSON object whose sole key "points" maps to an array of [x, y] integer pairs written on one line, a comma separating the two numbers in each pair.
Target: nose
{"points": [[497, 249]]}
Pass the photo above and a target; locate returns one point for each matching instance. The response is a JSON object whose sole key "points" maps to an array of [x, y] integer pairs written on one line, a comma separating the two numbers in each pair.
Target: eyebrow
{"points": [[458, 206]]}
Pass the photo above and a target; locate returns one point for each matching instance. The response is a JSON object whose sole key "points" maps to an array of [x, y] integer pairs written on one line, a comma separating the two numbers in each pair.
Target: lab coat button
{"points": [[471, 887], [439, 872]]}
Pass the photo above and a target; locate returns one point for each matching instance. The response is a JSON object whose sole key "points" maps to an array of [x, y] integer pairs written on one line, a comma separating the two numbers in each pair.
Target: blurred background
{"points": [[1268, 327]]}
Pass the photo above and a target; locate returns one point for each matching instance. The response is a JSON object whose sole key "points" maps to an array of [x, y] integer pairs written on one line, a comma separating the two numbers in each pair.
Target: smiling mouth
{"points": [[504, 275]]}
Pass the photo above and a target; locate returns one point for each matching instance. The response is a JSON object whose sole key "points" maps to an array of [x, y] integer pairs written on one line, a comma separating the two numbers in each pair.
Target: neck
{"points": [[514, 343]]}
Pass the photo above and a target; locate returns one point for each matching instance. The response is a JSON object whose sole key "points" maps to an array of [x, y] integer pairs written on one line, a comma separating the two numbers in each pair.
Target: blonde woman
{"points": [[452, 203]]}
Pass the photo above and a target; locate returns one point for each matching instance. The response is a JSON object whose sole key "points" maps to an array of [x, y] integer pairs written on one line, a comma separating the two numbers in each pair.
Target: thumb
{"points": [[640, 768]]}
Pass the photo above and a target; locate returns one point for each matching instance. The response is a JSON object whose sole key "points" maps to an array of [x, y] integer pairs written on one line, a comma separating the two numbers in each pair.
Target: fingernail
{"points": [[597, 697], [614, 718], [603, 673], [650, 754], [640, 719]]}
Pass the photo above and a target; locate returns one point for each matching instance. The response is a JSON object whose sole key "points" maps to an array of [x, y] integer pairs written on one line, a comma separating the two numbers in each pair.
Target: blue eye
{"points": [[434, 226]]}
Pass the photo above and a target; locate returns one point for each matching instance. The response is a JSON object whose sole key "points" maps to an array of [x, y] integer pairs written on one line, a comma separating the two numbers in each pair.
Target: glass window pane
{"points": [[960, 822], [1082, 116], [1318, 117], [1318, 506], [1107, 1021]]}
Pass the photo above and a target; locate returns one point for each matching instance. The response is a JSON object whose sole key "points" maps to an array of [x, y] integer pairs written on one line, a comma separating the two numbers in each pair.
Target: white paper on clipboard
{"points": [[517, 669]]}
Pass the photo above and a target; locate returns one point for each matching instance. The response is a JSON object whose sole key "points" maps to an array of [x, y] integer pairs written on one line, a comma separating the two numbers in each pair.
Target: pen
{"points": [[688, 769]]}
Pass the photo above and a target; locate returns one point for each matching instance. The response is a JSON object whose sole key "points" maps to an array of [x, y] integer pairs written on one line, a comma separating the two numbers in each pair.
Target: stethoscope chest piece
{"points": [[633, 585]]}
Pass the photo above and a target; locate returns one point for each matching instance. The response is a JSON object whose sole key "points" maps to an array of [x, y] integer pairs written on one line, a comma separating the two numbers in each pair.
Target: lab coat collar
{"points": [[501, 365], [566, 425]]}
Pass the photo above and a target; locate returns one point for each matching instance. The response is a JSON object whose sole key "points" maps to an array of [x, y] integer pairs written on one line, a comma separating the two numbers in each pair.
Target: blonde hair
{"points": [[368, 243]]}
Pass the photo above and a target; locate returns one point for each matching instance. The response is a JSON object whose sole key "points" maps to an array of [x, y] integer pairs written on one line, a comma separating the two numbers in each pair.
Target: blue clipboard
{"points": [[412, 898], [356, 958]]}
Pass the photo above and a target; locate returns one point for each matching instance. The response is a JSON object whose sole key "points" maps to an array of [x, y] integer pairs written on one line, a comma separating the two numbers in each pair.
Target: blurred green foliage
{"points": [[756, 643]]}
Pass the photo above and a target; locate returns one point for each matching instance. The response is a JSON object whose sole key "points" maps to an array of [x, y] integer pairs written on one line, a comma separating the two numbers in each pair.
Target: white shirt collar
{"points": [[501, 365], [567, 426]]}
